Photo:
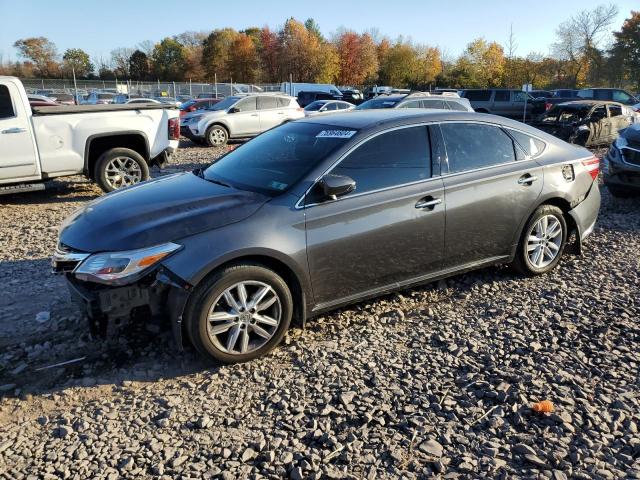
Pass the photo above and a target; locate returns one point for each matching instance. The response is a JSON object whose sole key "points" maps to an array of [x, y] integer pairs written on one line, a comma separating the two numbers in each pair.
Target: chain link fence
{"points": [[146, 89]]}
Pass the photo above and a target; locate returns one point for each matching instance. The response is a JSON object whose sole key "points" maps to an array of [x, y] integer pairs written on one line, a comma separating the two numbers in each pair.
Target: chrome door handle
{"points": [[14, 130], [428, 203], [527, 180], [254, 114]]}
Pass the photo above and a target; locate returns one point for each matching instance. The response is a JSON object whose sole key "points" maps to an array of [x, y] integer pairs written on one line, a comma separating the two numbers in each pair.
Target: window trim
{"points": [[496, 125], [299, 205], [526, 157]]}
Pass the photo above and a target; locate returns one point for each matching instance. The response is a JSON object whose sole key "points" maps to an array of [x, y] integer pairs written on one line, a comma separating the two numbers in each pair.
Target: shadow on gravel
{"points": [[57, 191]]}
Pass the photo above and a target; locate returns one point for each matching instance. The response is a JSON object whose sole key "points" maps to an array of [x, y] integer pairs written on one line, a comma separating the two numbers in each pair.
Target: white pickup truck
{"points": [[113, 145]]}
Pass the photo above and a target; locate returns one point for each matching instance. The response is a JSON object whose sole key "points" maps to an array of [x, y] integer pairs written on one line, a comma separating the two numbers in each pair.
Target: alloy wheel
{"points": [[544, 241], [122, 172], [244, 317], [217, 136]]}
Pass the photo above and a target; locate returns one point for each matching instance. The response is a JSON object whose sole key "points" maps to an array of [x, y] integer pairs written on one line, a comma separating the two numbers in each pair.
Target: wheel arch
{"points": [[99, 143]]}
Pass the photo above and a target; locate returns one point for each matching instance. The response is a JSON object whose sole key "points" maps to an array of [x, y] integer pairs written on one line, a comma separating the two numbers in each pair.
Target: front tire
{"points": [[239, 313], [217, 136], [120, 167], [542, 243]]}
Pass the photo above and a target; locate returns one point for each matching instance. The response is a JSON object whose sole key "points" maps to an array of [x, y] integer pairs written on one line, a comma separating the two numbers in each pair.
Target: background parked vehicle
{"points": [[294, 88], [584, 122], [503, 102], [40, 98], [199, 104], [113, 145], [621, 168], [320, 107], [352, 95], [324, 212], [239, 116], [143, 100], [371, 92], [441, 100], [610, 94], [307, 98], [540, 93], [99, 98]]}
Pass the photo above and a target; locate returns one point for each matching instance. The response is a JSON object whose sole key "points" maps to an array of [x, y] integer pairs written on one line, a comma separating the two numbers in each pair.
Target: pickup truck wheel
{"points": [[542, 242], [120, 167], [239, 313], [217, 136]]}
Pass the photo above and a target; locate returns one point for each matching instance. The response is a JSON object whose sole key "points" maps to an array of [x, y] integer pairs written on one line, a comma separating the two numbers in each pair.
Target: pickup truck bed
{"points": [[68, 109]]}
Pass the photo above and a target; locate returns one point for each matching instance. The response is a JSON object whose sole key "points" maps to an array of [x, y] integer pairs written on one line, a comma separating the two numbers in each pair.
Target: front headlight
{"points": [[195, 118], [114, 267]]}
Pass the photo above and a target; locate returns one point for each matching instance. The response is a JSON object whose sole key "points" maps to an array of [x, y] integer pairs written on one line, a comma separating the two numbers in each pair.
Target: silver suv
{"points": [[440, 101], [239, 116]]}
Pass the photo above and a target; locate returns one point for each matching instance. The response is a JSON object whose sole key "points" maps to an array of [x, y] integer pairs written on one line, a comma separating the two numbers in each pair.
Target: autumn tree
{"points": [[429, 66], [169, 60], [120, 61], [139, 68], [480, 66], [268, 53], [626, 50], [357, 58], [76, 60], [243, 59], [192, 42], [41, 52], [216, 51]]}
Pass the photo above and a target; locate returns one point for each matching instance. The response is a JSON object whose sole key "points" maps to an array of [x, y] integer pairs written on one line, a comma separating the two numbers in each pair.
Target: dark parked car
{"points": [[323, 212], [352, 95], [584, 122], [611, 94], [504, 102], [306, 98], [558, 96], [540, 93], [439, 101], [621, 169]]}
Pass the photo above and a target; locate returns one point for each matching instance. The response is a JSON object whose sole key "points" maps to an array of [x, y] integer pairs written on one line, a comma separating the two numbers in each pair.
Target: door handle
{"points": [[280, 113], [14, 130], [254, 114], [527, 179], [428, 203]]}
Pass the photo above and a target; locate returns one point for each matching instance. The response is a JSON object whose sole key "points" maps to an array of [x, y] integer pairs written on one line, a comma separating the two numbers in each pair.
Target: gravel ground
{"points": [[435, 381]]}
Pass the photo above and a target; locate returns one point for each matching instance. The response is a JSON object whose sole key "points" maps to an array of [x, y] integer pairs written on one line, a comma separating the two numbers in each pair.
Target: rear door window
{"points": [[388, 160], [615, 110], [413, 104], [6, 106], [502, 96], [265, 103], [471, 146]]}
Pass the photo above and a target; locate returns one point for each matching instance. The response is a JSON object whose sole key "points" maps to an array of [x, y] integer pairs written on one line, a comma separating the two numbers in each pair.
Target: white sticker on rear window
{"points": [[336, 134]]}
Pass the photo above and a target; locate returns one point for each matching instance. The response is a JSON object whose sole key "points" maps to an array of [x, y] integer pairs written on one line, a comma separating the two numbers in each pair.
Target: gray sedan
{"points": [[323, 212]]}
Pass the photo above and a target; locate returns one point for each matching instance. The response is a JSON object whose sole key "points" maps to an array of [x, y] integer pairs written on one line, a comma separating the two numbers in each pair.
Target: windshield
{"points": [[566, 114], [224, 104], [314, 107], [187, 104], [274, 161], [384, 102]]}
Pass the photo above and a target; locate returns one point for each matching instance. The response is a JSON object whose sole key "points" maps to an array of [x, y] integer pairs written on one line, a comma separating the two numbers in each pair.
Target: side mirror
{"points": [[234, 110], [335, 186]]}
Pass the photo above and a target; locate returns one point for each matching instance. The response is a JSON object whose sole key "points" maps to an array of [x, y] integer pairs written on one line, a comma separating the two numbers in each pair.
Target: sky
{"points": [[99, 27]]}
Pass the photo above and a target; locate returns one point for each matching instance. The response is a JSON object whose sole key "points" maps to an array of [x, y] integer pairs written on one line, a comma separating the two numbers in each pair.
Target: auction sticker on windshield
{"points": [[336, 134]]}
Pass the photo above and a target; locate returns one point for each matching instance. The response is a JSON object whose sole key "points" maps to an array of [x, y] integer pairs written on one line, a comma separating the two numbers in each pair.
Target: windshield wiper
{"points": [[200, 172]]}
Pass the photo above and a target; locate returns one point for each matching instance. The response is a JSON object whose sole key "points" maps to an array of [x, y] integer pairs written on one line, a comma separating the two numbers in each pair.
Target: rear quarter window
{"points": [[531, 145]]}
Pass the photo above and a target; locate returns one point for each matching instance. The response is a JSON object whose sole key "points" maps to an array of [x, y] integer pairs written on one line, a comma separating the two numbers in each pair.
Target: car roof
{"points": [[588, 102], [364, 119]]}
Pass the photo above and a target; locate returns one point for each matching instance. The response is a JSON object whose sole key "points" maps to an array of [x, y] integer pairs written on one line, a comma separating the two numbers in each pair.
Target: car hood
{"points": [[155, 212]]}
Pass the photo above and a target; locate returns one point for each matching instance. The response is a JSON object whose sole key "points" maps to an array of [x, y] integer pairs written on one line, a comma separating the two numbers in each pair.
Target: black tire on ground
{"points": [[522, 263], [132, 162], [203, 298], [216, 136], [621, 192]]}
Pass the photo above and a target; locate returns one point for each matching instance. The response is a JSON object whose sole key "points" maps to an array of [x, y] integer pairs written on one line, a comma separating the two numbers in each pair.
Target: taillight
{"points": [[592, 166], [174, 129], [547, 106]]}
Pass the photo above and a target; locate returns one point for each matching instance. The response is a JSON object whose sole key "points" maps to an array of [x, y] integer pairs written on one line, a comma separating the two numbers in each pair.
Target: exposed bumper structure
{"points": [[585, 213]]}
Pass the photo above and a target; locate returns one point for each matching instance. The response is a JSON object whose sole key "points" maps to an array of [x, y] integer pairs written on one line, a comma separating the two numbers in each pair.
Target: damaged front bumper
{"points": [[158, 296]]}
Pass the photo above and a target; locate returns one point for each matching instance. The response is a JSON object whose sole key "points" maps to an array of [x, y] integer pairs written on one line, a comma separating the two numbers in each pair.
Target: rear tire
{"points": [[542, 242], [254, 326], [120, 167], [217, 136]]}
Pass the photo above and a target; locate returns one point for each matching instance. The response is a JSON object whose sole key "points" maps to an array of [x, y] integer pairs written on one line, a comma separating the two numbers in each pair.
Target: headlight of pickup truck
{"points": [[114, 267]]}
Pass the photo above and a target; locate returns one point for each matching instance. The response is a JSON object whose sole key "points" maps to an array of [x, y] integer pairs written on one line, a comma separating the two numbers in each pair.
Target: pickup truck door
{"points": [[245, 121], [18, 159]]}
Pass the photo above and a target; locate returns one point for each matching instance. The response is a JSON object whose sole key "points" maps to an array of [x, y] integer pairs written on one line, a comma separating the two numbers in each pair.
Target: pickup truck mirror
{"points": [[334, 186], [233, 110]]}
